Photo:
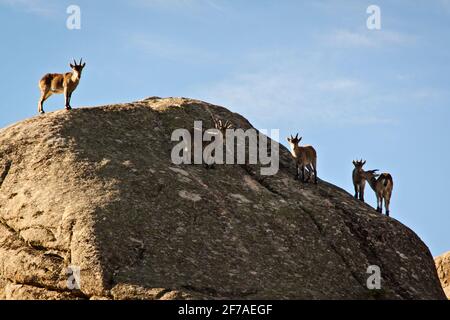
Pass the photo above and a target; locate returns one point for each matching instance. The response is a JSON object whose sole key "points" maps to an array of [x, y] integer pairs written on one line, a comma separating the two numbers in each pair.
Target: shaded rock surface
{"points": [[443, 268], [95, 188]]}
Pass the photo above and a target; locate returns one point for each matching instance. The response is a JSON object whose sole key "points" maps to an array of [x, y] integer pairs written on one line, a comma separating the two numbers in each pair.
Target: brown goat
{"points": [[359, 182], [56, 83], [219, 125], [222, 126], [382, 184], [304, 157]]}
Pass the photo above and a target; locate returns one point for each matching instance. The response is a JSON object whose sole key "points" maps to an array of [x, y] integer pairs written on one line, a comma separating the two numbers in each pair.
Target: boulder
{"points": [[92, 194], [443, 269]]}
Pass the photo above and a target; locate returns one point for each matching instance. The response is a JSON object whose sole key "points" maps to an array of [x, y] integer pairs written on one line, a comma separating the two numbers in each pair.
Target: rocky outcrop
{"points": [[443, 269], [95, 189]]}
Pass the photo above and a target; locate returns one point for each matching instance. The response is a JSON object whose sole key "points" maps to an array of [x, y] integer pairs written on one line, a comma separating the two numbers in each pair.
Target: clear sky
{"points": [[301, 66]]}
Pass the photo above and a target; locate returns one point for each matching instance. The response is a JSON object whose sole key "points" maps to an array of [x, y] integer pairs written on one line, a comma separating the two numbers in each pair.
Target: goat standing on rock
{"points": [[382, 184], [56, 83], [359, 182], [304, 157]]}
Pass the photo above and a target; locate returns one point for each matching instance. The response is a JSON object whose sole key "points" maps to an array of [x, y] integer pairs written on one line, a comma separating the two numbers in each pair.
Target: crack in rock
{"points": [[5, 172]]}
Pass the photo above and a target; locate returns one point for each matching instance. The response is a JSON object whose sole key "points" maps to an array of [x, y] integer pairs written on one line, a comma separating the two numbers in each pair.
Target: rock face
{"points": [[95, 189], [443, 268]]}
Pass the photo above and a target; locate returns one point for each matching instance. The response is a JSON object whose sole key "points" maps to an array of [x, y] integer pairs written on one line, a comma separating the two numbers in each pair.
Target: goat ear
{"points": [[364, 162], [83, 65], [300, 139], [71, 65], [288, 139], [354, 162]]}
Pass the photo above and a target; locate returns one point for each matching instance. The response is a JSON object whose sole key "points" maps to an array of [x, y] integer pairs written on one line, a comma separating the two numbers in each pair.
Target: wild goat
{"points": [[304, 157], [382, 184], [359, 182], [222, 126], [57, 83], [219, 125]]}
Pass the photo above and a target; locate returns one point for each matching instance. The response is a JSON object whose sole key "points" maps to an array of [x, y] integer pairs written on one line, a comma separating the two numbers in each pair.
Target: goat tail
{"points": [[386, 179]]}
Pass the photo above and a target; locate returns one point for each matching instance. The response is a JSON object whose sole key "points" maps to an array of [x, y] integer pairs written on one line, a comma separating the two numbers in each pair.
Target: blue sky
{"points": [[301, 66]]}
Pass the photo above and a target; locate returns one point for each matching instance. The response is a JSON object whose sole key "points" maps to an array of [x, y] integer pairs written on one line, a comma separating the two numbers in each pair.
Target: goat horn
{"points": [[296, 136], [81, 60], [74, 61]]}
